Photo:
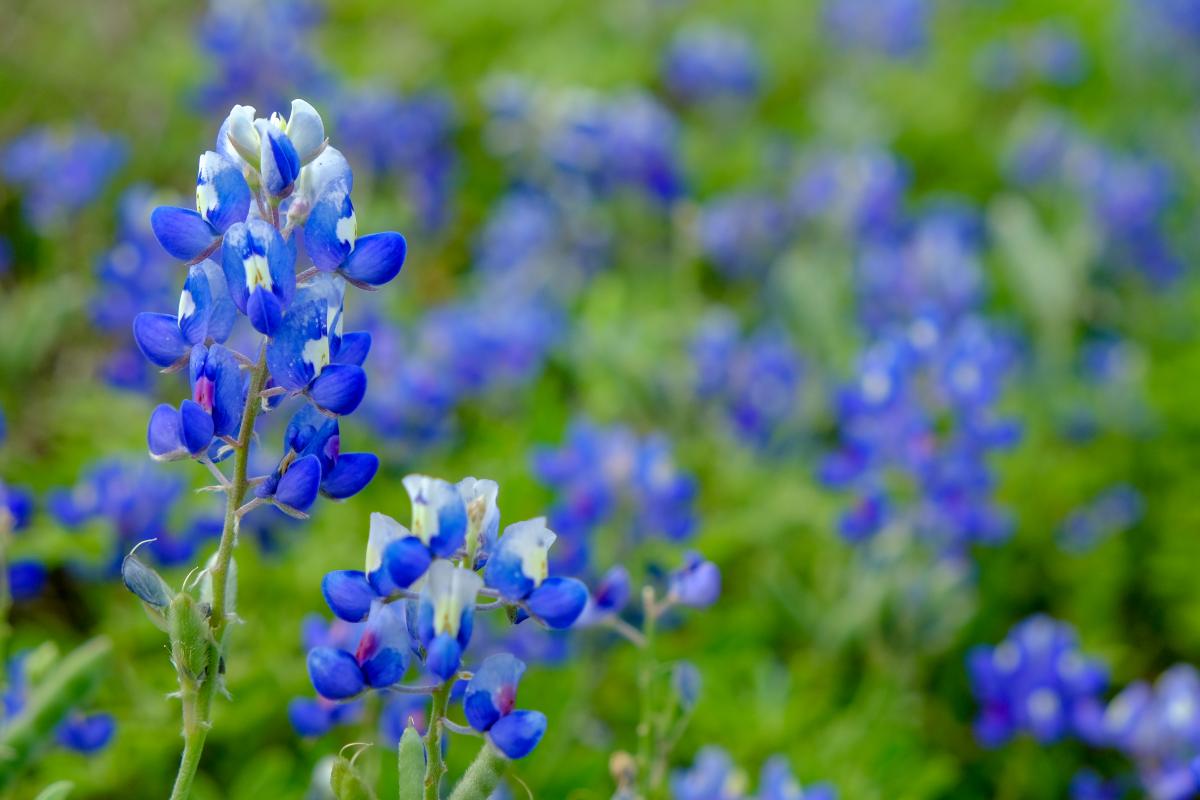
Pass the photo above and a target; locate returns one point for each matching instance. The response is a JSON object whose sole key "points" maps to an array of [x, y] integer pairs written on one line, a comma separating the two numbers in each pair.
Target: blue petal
{"points": [[264, 310], [86, 734], [224, 312], [612, 594], [26, 579], [159, 339], [309, 717], [406, 559], [196, 427], [255, 255], [299, 485], [376, 258], [348, 594], [334, 673], [339, 388], [559, 601], [331, 230], [182, 232], [195, 306], [222, 195], [518, 733], [279, 162], [164, 434], [383, 648], [229, 396], [286, 352], [353, 348], [350, 474], [493, 690], [443, 655]]}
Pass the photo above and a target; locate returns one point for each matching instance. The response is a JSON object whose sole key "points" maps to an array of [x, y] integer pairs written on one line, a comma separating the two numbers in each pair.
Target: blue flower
{"points": [[331, 238], [488, 706], [445, 616], [307, 356], [315, 716], [60, 172], [519, 570], [206, 314], [707, 63], [396, 557], [260, 270], [697, 583], [483, 516], [86, 733], [896, 28], [439, 514], [1036, 682]]}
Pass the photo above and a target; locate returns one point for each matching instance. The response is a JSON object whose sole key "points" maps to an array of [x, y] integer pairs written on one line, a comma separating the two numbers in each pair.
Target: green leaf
{"points": [[56, 791], [65, 687], [412, 764]]}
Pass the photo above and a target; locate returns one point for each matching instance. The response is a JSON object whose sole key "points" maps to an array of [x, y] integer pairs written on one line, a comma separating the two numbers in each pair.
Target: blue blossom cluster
{"points": [[1051, 54], [1128, 195], [713, 776], [59, 172], [922, 403], [1158, 728], [419, 594], [262, 51], [755, 379], [605, 474], [134, 274], [405, 139], [81, 732], [1037, 682], [136, 502], [708, 63], [270, 186], [894, 28], [1114, 510]]}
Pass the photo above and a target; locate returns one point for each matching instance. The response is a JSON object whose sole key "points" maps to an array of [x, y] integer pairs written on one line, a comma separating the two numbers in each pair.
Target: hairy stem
{"points": [[198, 700], [483, 776], [435, 768]]}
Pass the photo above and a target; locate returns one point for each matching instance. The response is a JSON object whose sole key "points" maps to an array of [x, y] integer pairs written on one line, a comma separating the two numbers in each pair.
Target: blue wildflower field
{"points": [[641, 400]]}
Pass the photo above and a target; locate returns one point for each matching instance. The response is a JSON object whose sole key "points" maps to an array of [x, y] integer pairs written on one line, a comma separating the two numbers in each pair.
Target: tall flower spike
{"points": [[445, 616], [439, 514], [306, 354]]}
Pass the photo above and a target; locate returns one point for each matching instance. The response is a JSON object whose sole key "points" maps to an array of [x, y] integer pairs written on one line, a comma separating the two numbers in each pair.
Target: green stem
{"points": [[435, 768], [198, 700], [483, 776], [645, 728]]}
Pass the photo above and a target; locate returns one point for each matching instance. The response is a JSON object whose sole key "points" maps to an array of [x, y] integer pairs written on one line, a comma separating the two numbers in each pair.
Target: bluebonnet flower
{"points": [[519, 571], [598, 469], [1112, 511], [60, 172], [706, 63], [1037, 682], [743, 233], [267, 180], [488, 706], [1128, 195], [697, 583], [1158, 728], [80, 732], [756, 380], [713, 776], [446, 616], [263, 51], [859, 192], [895, 28], [135, 502]]}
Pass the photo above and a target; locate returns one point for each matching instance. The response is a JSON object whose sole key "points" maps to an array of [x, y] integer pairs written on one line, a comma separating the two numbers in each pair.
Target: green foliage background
{"points": [[850, 663]]}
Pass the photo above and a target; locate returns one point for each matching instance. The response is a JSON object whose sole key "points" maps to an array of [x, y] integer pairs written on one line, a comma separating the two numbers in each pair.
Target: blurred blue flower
{"points": [[707, 63], [895, 28]]}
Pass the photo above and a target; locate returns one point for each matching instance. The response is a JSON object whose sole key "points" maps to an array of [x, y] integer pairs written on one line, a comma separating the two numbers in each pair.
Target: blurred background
{"points": [[886, 306]]}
